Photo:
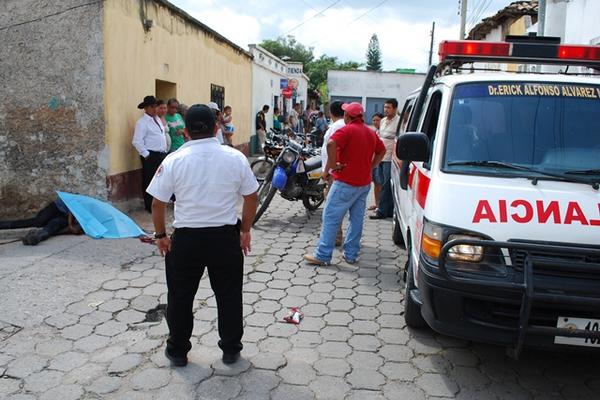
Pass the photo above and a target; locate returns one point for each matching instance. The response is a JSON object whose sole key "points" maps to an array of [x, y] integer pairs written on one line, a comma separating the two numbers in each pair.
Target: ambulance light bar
{"points": [[467, 51]]}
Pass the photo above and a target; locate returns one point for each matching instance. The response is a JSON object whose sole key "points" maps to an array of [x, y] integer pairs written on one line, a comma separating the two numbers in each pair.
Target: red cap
{"points": [[353, 109]]}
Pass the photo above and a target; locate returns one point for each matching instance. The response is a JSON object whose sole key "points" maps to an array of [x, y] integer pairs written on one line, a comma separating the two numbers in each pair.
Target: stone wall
{"points": [[52, 132]]}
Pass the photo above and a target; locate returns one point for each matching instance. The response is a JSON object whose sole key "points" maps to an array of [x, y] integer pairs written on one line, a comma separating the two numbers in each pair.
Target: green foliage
{"points": [[288, 47], [315, 69], [374, 55]]}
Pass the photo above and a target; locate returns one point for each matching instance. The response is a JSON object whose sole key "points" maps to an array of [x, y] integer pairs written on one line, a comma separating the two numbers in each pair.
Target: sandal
{"points": [[373, 207]]}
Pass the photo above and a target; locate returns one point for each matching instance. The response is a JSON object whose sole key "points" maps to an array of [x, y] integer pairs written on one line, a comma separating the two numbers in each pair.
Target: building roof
{"points": [[210, 32], [377, 72], [513, 11]]}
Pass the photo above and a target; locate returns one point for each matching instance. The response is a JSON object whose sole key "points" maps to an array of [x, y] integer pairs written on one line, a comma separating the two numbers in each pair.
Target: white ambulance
{"points": [[496, 192]]}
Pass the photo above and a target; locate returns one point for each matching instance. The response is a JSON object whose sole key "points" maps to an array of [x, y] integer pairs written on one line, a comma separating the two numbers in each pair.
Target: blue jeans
{"points": [[341, 199], [386, 201]]}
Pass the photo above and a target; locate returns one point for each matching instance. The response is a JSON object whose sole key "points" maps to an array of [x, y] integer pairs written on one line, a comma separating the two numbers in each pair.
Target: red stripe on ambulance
{"points": [[524, 211], [422, 189]]}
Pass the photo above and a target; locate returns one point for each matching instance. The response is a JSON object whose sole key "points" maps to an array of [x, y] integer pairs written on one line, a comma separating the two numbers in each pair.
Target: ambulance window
{"points": [[430, 122], [406, 114]]}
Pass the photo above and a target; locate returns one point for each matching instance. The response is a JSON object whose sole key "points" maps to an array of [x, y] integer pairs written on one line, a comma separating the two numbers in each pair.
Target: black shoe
{"points": [[34, 237], [176, 361], [377, 216], [230, 358]]}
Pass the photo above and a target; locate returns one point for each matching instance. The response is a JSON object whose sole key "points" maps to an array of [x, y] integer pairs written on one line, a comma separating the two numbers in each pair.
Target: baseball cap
{"points": [[200, 120], [353, 109], [213, 106]]}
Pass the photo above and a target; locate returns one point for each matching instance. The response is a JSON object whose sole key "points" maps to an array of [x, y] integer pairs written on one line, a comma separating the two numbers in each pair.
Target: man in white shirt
{"points": [[295, 117], [387, 133], [208, 180], [150, 140], [215, 107], [337, 122]]}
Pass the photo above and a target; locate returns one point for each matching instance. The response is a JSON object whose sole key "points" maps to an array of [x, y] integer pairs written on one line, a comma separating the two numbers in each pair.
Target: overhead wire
{"points": [[487, 4], [357, 18], [475, 10], [311, 18]]}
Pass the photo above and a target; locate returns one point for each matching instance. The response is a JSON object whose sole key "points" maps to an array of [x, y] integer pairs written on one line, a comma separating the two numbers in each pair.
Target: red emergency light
{"points": [[519, 50], [473, 48], [570, 52]]}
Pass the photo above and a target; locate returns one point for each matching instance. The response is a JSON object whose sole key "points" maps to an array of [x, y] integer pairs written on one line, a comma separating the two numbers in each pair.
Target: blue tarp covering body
{"points": [[99, 219]]}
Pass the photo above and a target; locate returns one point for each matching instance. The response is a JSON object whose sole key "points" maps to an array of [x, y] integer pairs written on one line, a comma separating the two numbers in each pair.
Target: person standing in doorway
{"points": [[295, 117], [276, 121], [352, 153], [161, 112], [387, 133], [377, 177], [150, 141], [208, 180], [260, 123], [175, 124]]}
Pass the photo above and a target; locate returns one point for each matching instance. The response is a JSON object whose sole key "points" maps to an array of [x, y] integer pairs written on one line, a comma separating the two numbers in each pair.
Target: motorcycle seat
{"points": [[312, 163]]}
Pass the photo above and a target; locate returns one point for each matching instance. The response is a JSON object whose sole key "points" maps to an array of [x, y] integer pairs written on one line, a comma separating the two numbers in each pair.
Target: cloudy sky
{"points": [[342, 28]]}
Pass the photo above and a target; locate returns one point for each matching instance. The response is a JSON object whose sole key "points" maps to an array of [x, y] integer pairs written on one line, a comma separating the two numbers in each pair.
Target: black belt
{"points": [[208, 229]]}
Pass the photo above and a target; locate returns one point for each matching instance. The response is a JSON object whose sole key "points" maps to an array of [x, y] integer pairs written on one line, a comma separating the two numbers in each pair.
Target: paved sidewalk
{"points": [[76, 321]]}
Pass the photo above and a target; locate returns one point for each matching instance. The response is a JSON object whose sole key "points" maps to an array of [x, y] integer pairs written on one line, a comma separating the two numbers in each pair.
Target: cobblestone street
{"points": [[75, 323]]}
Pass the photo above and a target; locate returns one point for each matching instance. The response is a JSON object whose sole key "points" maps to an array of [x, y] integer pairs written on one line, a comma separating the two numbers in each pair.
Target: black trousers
{"points": [[50, 218], [193, 250], [149, 166]]}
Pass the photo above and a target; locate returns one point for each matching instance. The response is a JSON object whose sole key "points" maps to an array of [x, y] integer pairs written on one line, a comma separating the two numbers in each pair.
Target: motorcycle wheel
{"points": [[265, 195], [260, 168], [311, 203]]}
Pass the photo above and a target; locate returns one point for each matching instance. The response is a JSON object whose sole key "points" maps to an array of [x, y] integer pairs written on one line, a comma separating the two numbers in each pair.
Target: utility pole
{"points": [[542, 18], [431, 44], [463, 18]]}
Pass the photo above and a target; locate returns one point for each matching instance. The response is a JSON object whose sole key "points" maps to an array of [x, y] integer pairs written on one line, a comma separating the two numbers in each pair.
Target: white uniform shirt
{"points": [[207, 180], [220, 136], [387, 133], [330, 131], [149, 136]]}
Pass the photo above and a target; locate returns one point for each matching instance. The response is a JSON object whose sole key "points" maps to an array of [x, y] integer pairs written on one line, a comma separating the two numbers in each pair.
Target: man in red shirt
{"points": [[352, 153]]}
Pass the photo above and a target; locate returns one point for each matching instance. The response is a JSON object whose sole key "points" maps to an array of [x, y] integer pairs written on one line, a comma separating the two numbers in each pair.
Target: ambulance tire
{"points": [[412, 310], [397, 237]]}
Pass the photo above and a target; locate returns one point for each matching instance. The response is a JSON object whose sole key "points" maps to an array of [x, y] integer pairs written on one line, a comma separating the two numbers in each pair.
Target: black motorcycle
{"points": [[296, 174]]}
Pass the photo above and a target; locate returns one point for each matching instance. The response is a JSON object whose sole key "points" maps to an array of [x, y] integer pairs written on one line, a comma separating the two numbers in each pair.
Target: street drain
{"points": [[156, 314], [7, 330]]}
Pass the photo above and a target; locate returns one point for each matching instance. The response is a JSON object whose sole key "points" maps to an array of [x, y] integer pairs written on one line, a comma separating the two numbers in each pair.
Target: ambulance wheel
{"points": [[412, 309], [397, 237]]}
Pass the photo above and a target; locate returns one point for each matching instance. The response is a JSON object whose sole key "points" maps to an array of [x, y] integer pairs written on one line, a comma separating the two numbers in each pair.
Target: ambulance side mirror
{"points": [[411, 146]]}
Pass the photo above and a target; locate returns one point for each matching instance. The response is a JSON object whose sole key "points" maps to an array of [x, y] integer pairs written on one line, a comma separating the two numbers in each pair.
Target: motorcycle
{"points": [[296, 174], [271, 150]]}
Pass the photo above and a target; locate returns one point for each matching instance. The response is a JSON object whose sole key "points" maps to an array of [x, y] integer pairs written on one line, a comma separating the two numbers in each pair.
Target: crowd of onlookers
{"points": [[161, 130]]}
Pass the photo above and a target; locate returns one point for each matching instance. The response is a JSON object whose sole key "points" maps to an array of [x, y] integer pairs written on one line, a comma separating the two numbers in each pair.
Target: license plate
{"points": [[578, 323]]}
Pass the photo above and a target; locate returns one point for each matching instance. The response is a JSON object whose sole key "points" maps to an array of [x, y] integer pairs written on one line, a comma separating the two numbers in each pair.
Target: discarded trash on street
{"points": [[294, 316]]}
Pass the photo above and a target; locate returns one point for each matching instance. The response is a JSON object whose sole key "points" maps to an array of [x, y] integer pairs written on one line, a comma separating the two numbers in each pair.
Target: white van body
{"points": [[498, 203]]}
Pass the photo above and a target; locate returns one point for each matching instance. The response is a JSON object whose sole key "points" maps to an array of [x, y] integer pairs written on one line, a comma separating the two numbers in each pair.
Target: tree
{"points": [[315, 69], [374, 54], [289, 47]]}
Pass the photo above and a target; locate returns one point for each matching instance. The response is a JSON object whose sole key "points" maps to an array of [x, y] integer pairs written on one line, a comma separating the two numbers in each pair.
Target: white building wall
{"points": [[267, 71], [574, 21], [582, 25], [365, 84], [295, 70]]}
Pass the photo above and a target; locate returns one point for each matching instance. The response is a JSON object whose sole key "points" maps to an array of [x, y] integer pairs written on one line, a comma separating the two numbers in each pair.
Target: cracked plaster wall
{"points": [[52, 132]]}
